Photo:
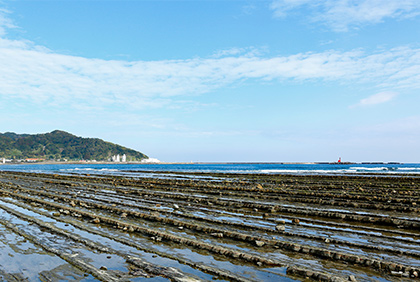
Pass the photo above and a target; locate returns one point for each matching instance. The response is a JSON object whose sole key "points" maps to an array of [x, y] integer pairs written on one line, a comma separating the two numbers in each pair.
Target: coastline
{"points": [[232, 163]]}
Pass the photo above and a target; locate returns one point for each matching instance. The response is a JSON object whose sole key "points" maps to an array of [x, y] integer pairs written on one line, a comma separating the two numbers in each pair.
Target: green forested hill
{"points": [[61, 145]]}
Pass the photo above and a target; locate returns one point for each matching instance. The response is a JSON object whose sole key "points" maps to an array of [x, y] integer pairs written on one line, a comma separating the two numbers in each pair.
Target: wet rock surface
{"points": [[217, 226]]}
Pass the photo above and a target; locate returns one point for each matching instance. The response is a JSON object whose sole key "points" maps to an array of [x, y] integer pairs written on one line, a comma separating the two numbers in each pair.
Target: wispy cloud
{"points": [[248, 9], [282, 7], [30, 72], [243, 52], [5, 21], [34, 73], [341, 15], [378, 98]]}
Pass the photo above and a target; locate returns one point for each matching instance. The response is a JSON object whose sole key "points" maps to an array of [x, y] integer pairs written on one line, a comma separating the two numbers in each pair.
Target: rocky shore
{"points": [[205, 226]]}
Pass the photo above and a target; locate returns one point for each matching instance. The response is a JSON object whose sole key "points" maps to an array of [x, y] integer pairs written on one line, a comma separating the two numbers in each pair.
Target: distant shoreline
{"points": [[165, 163]]}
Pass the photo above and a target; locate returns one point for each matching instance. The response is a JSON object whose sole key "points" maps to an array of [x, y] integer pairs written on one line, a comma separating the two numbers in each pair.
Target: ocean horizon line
{"points": [[215, 162]]}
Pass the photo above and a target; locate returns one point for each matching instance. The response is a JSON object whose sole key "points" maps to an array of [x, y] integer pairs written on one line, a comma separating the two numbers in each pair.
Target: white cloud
{"points": [[378, 98], [341, 15], [30, 72]]}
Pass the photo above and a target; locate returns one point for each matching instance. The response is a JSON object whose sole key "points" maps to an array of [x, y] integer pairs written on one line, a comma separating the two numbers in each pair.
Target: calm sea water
{"points": [[269, 168]]}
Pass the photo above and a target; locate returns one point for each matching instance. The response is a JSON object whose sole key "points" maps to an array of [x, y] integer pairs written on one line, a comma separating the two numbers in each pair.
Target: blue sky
{"points": [[280, 80]]}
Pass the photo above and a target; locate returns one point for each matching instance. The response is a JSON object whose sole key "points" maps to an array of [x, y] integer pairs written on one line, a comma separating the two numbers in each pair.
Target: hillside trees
{"points": [[61, 145]]}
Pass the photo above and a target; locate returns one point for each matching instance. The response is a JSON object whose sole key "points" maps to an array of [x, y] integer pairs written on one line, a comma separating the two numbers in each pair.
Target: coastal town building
{"points": [[117, 159], [4, 160], [33, 160], [150, 160]]}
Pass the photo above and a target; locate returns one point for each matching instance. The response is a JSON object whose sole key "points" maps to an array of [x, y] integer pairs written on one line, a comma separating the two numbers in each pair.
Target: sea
{"points": [[131, 169]]}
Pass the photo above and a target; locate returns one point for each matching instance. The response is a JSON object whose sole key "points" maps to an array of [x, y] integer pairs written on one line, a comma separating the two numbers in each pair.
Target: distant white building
{"points": [[150, 160], [115, 158], [118, 159]]}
